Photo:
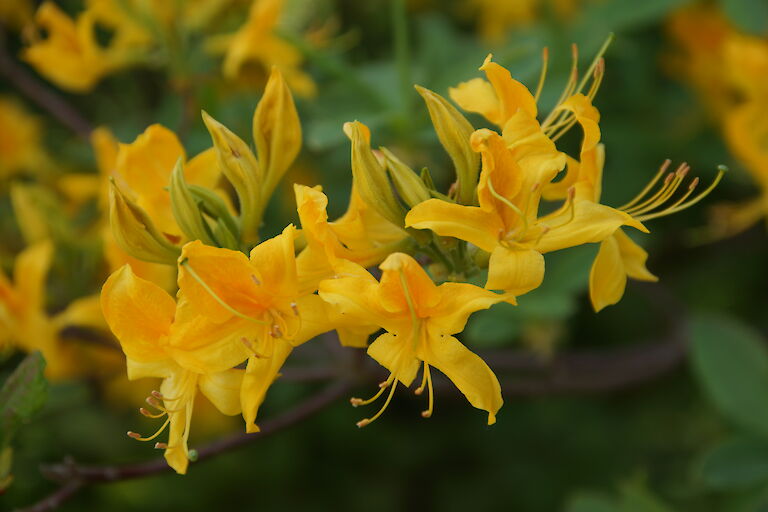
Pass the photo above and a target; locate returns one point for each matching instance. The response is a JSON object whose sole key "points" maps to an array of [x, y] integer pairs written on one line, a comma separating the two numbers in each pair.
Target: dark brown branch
{"points": [[74, 476], [39, 94]]}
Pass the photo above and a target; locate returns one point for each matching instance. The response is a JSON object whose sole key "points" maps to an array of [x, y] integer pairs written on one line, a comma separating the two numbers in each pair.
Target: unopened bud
{"points": [[135, 232]]}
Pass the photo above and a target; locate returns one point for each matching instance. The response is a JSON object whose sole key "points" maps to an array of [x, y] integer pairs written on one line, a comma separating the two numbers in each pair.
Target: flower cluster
{"points": [[243, 303]]}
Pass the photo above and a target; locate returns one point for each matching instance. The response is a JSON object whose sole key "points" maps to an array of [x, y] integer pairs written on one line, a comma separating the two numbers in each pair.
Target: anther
{"points": [[255, 280], [161, 446], [133, 435], [276, 331], [295, 308], [426, 414], [363, 423]]}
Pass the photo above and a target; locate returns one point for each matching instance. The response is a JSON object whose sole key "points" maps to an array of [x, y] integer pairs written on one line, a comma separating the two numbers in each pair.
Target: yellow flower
{"points": [[70, 56], [25, 323], [507, 224], [20, 140], [361, 235], [259, 300], [167, 340], [257, 42], [420, 319]]}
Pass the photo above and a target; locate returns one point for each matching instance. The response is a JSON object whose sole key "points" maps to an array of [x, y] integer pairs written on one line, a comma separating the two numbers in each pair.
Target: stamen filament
{"points": [[721, 170], [419, 390], [357, 402], [508, 203], [148, 414], [138, 437], [662, 169], [428, 412], [661, 191], [597, 58], [367, 421], [663, 198], [542, 76]]}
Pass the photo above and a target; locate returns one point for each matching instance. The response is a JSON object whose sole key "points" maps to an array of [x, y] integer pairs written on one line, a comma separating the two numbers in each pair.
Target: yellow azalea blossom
{"points": [[20, 140], [26, 324], [506, 224], [361, 235], [257, 298], [70, 56], [256, 42], [167, 340], [420, 319]]}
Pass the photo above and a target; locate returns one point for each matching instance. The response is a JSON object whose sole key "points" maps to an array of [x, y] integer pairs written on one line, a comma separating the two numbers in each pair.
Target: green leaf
{"points": [[731, 363], [22, 395], [591, 502], [738, 462]]}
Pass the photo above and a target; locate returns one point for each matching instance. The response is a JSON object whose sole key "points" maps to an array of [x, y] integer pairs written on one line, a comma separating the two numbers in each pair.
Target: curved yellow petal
{"points": [[404, 284], [515, 270], [181, 387], [586, 222], [395, 353], [477, 95], [634, 257], [138, 312], [354, 294], [467, 371], [275, 259], [469, 223], [608, 277], [259, 375], [223, 390], [458, 301], [512, 95]]}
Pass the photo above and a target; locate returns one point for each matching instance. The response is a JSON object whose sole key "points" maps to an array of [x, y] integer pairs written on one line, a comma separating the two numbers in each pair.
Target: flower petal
{"points": [[634, 258], [259, 375], [469, 223], [515, 270], [395, 353], [30, 273], [608, 277], [589, 222], [466, 370], [223, 390], [139, 313], [458, 301], [477, 95]]}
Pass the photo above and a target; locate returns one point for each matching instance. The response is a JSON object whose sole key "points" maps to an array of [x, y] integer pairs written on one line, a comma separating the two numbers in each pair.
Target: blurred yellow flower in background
{"points": [[20, 140]]}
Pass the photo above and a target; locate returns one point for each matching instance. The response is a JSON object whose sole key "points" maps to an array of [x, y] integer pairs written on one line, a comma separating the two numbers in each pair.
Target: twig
{"points": [[41, 95], [74, 476]]}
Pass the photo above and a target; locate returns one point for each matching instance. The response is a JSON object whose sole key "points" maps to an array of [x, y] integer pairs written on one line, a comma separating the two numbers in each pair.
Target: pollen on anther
{"points": [[426, 414], [161, 446], [133, 435], [363, 423]]}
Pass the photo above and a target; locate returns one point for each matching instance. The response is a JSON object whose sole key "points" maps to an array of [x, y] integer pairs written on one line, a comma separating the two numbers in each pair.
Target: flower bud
{"points": [[276, 132], [409, 186], [370, 176], [134, 231], [238, 164], [454, 131], [186, 210]]}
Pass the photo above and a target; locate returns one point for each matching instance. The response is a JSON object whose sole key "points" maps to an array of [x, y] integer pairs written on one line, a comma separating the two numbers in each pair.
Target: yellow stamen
{"points": [[138, 437], [367, 421], [430, 408], [357, 402], [543, 75], [668, 179], [508, 203], [662, 169], [419, 390], [721, 170], [148, 414], [663, 195]]}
